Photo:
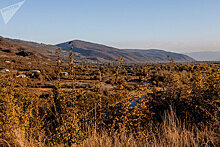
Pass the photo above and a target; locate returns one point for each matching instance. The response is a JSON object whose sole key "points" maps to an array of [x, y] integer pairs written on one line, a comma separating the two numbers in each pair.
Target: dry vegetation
{"points": [[109, 105]]}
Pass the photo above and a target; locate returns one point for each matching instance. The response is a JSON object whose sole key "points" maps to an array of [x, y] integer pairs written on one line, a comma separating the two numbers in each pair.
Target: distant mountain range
{"points": [[104, 53], [205, 56], [86, 52], [161, 55]]}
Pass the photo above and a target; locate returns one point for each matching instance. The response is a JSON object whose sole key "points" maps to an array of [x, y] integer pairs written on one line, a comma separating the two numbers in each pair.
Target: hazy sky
{"points": [[173, 25]]}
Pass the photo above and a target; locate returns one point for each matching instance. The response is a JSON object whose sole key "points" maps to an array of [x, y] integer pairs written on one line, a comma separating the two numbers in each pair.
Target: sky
{"points": [[172, 25]]}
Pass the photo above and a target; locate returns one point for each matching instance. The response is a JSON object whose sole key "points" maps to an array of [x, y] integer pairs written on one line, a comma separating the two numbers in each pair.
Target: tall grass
{"points": [[170, 133]]}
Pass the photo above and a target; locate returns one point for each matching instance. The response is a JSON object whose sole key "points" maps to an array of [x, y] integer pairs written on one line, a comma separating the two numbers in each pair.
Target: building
{"points": [[7, 61], [64, 73], [35, 71], [5, 70], [21, 76]]}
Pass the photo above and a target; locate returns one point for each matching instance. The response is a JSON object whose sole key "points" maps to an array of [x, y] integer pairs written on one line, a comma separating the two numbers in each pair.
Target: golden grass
{"points": [[171, 133]]}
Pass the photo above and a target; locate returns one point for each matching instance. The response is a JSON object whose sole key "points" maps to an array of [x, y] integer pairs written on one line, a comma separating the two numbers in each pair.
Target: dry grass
{"points": [[172, 133], [18, 139]]}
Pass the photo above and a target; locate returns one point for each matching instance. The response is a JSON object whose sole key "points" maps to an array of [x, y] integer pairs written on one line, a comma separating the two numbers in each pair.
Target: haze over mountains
{"points": [[85, 52], [205, 56]]}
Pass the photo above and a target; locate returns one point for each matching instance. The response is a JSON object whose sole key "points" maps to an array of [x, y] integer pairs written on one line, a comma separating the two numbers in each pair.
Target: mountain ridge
{"points": [[86, 52], [161, 54], [131, 55]]}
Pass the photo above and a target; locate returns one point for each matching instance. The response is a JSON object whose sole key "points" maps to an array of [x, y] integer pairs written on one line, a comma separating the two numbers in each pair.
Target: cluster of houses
{"points": [[33, 73]]}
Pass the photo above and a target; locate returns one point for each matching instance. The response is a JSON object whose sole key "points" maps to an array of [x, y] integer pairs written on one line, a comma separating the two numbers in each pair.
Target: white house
{"points": [[64, 73], [7, 61], [5, 70], [35, 71], [21, 76]]}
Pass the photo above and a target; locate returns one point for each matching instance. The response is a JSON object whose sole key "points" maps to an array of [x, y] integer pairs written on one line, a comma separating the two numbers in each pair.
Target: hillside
{"points": [[104, 53], [161, 55], [86, 52], [48, 51], [109, 54], [11, 49]]}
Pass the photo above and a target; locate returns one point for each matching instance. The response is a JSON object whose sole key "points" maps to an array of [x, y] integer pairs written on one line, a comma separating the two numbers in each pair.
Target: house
{"points": [[35, 71], [7, 61], [5, 70], [21, 76], [64, 73]]}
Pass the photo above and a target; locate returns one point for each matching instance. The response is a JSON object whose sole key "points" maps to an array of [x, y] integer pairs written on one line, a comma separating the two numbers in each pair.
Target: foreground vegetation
{"points": [[110, 105]]}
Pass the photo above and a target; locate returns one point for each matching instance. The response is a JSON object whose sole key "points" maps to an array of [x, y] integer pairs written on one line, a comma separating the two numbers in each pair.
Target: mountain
{"points": [[85, 52], [104, 53], [20, 49], [48, 51], [161, 55], [10, 49], [205, 56], [108, 54]]}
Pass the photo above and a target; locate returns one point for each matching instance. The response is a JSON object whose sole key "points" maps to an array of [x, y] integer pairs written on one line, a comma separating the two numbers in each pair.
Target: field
{"points": [[114, 104]]}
